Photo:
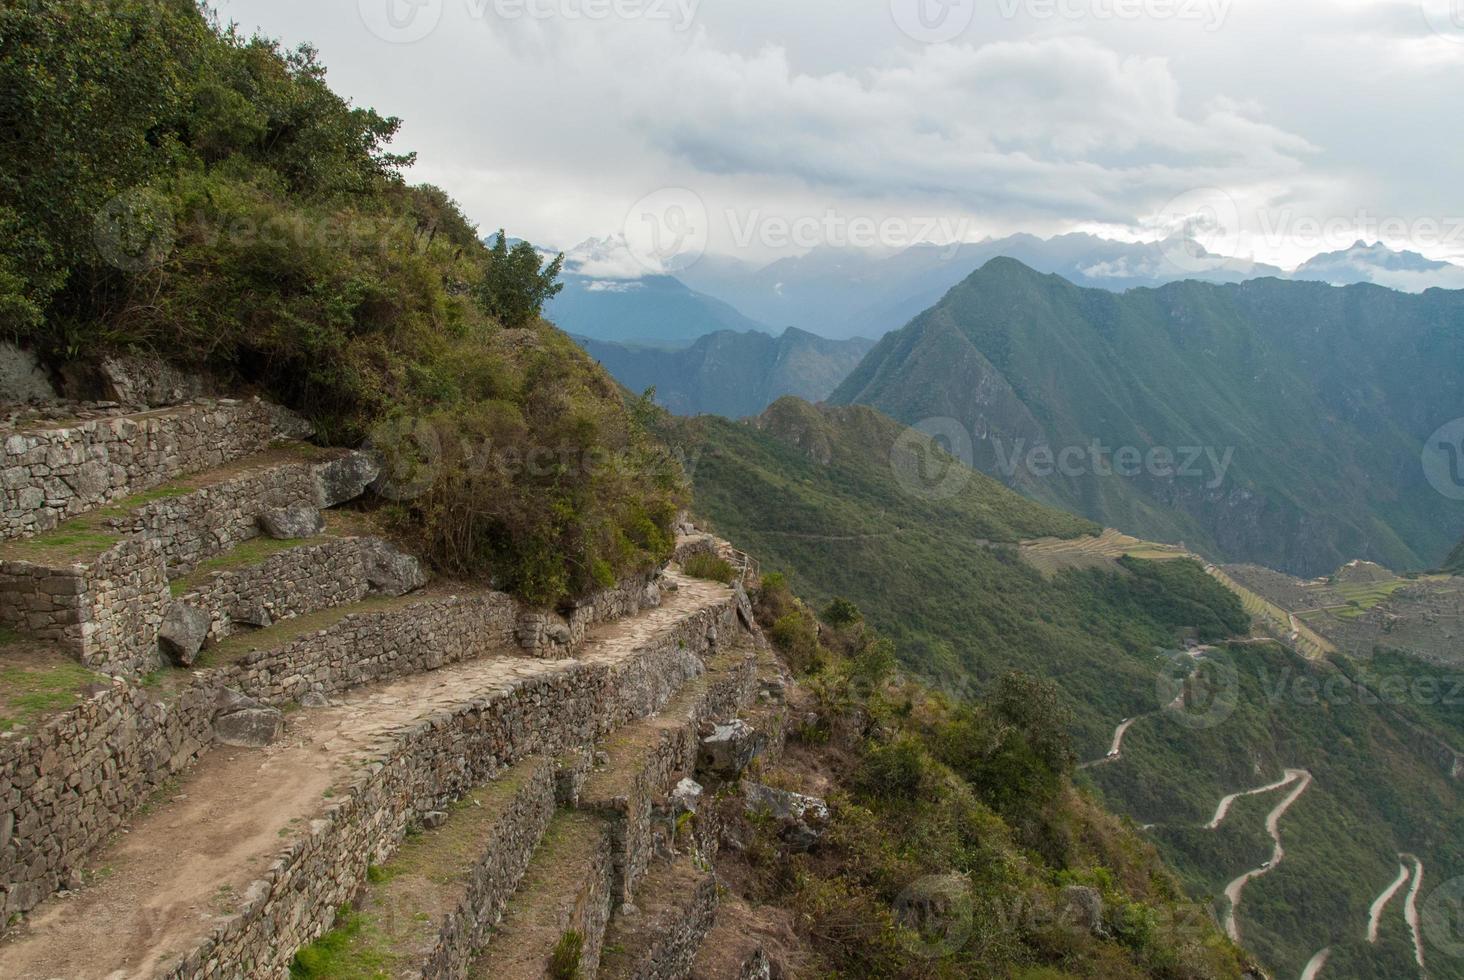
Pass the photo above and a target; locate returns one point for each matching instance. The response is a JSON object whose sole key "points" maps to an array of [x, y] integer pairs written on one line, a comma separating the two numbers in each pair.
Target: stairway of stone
{"points": [[247, 857], [641, 905]]}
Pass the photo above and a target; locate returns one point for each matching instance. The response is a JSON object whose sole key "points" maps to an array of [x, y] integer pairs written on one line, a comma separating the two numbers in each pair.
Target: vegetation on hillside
{"points": [[1455, 561], [1312, 402], [170, 184], [957, 843], [813, 490]]}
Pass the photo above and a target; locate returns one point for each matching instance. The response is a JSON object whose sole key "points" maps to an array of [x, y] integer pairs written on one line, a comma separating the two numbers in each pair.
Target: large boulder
{"points": [[252, 728], [802, 820], [728, 749], [344, 478], [22, 379], [1082, 907], [182, 634], [390, 571], [142, 380], [292, 522]]}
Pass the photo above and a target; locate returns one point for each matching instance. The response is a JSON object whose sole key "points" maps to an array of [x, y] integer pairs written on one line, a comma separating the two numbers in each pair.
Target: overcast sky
{"points": [[1286, 126]]}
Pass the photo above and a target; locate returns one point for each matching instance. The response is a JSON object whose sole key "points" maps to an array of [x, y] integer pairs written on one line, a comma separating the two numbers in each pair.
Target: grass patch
{"points": [[710, 567], [401, 893], [564, 961], [41, 686]]}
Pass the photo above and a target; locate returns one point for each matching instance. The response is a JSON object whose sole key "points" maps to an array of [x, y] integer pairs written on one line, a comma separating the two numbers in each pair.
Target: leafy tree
{"points": [[514, 288]]}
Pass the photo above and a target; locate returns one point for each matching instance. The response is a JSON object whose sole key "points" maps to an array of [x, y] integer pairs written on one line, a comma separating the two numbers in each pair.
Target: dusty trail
{"points": [[1278, 853], [1315, 965], [1380, 904], [1410, 909], [184, 865], [1115, 751], [1223, 810]]}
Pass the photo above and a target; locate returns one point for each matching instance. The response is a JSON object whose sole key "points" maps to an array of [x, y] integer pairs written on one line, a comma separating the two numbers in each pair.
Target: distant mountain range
{"points": [[732, 374], [1455, 561], [852, 292], [1273, 422]]}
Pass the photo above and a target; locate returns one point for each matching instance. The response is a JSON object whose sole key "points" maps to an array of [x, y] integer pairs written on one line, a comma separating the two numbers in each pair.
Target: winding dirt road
{"points": [[1380, 904], [1314, 966], [1303, 779], [1410, 908], [1223, 810], [1115, 751]]}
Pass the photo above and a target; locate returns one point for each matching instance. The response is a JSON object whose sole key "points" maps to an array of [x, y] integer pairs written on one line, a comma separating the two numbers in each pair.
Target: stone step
{"points": [[430, 907], [193, 883], [98, 585], [658, 939], [643, 762], [555, 924], [51, 472]]}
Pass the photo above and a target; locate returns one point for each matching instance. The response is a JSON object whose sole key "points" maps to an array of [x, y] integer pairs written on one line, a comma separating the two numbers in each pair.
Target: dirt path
{"points": [[1278, 853], [1115, 752], [1223, 810], [1410, 909], [184, 865], [1380, 904], [1314, 966]]}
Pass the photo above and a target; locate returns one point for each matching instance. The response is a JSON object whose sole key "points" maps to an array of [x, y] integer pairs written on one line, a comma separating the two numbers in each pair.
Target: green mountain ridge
{"points": [[732, 374], [821, 492], [1295, 413]]}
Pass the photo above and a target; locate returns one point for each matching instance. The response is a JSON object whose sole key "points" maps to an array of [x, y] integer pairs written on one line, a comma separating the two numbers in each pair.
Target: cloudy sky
{"points": [[1277, 128]]}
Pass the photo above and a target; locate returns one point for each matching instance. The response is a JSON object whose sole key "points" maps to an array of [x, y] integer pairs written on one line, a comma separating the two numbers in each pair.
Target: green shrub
{"points": [[564, 961], [710, 567], [170, 185]]}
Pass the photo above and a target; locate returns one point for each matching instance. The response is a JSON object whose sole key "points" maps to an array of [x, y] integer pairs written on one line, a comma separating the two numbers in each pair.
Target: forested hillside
{"points": [[1273, 422], [828, 495], [171, 185]]}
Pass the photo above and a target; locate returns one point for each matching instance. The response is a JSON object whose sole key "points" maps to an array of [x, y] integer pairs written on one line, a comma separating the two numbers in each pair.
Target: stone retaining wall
{"points": [[294, 582], [69, 785], [434, 763], [490, 883], [48, 475], [106, 611], [65, 789], [105, 614]]}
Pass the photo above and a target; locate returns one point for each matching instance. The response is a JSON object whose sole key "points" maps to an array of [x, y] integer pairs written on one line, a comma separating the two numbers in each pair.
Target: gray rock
{"points": [[558, 633], [729, 749], [254, 614], [147, 381], [392, 572], [686, 797], [182, 634], [344, 479], [252, 728], [22, 379], [287, 424], [314, 699], [433, 819], [229, 701], [802, 819], [1082, 907], [292, 522]]}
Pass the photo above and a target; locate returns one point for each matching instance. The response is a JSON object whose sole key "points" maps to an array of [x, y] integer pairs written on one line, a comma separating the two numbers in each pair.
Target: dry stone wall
{"points": [[69, 785], [65, 789], [48, 475], [294, 582], [434, 763], [106, 611]]}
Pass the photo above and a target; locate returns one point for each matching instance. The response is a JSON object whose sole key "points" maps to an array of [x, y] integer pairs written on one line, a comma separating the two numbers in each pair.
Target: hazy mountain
{"points": [[1379, 264], [1455, 562], [733, 374], [1295, 412], [610, 295], [842, 292]]}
